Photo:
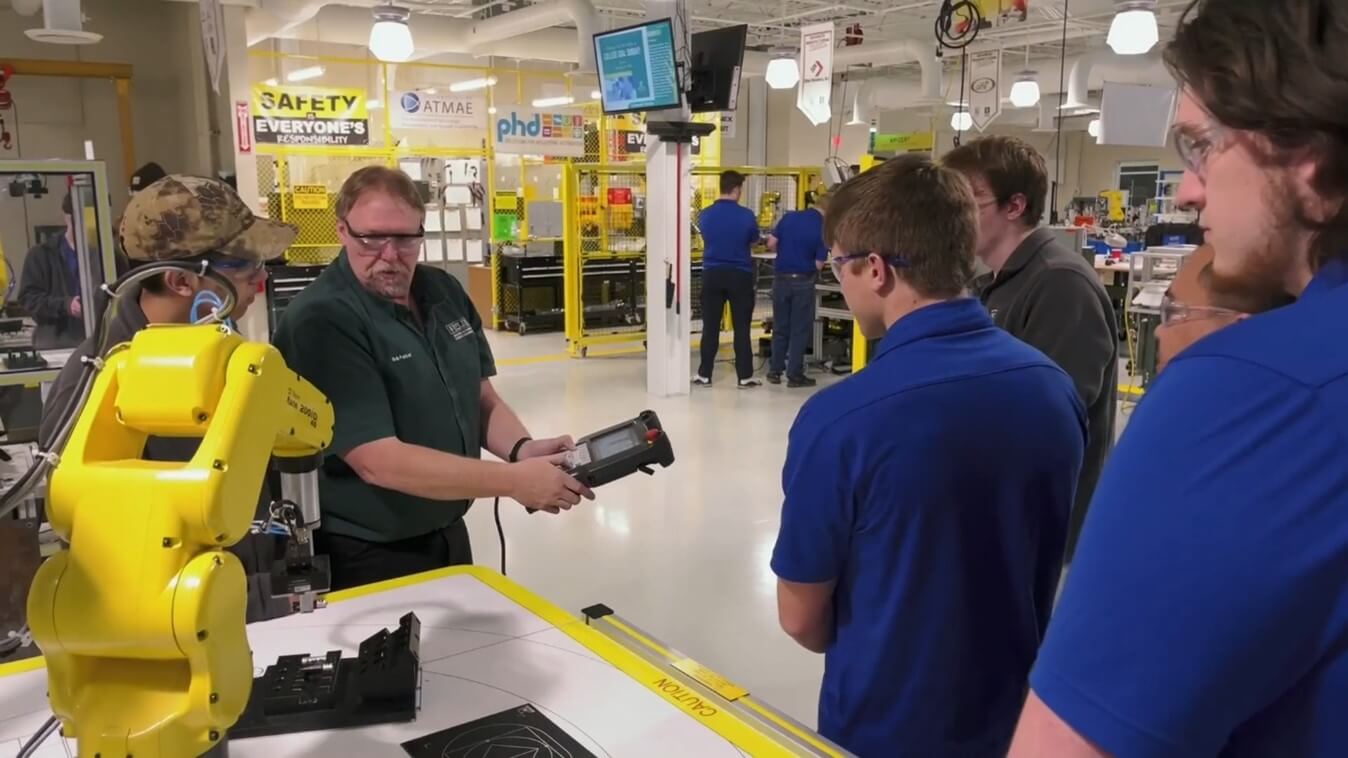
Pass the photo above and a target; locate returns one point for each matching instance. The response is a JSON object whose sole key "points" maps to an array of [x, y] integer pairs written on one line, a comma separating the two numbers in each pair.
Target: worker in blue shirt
{"points": [[729, 230], [1206, 612], [926, 497], [798, 242]]}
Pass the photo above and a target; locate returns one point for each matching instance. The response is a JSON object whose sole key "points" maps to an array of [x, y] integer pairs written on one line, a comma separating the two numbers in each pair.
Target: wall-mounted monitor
{"points": [[637, 70], [717, 59]]}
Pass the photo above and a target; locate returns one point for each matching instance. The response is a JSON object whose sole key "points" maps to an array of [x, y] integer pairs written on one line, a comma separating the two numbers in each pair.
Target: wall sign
{"points": [[418, 110], [290, 115], [243, 128], [902, 142], [527, 131]]}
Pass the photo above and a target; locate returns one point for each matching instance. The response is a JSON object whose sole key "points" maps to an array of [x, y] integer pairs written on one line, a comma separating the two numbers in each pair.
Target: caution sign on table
{"points": [[328, 116]]}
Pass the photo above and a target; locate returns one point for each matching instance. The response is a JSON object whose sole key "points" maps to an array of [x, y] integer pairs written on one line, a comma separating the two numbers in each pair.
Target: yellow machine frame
{"points": [[578, 339], [141, 619]]}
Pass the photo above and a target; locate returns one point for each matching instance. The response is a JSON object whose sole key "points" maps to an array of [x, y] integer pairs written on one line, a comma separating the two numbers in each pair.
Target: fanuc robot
{"points": [[141, 617]]}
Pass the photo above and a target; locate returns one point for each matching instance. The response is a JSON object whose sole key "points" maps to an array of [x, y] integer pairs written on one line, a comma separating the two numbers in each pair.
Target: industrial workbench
{"points": [[487, 645]]}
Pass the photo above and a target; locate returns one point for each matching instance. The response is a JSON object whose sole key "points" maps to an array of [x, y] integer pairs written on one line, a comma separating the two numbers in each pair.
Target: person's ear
{"points": [[180, 283], [1015, 207]]}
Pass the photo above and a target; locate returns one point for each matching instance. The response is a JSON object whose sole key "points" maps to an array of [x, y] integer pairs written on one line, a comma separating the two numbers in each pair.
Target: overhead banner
{"points": [[729, 120], [419, 110], [902, 142], [327, 116], [816, 72], [985, 87], [528, 131], [213, 39]]}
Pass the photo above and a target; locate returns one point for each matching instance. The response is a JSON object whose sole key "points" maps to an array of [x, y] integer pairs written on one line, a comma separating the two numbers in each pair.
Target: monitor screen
{"points": [[717, 57], [636, 68]]}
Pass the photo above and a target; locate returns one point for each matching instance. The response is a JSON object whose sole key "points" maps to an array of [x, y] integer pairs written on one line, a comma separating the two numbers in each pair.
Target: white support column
{"points": [[668, 243]]}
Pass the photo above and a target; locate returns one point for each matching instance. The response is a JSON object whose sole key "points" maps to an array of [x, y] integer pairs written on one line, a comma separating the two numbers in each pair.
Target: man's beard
{"points": [[1264, 273], [391, 284]]}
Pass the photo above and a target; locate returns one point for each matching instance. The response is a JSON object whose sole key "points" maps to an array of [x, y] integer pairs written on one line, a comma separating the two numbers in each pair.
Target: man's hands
{"points": [[540, 482], [545, 448], [75, 308]]}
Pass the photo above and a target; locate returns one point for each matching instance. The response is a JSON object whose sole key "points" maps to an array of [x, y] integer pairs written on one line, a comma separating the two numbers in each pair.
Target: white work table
{"points": [[488, 645]]}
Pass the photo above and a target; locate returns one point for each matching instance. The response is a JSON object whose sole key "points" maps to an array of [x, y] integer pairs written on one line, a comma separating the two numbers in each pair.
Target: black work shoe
{"points": [[800, 381], [773, 378]]}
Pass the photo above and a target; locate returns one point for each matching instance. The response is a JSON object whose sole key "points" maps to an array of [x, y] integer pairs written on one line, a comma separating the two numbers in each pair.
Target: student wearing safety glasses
{"points": [[927, 496], [399, 350]]}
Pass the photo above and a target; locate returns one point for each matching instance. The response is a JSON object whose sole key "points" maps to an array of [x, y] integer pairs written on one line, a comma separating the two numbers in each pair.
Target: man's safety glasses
{"points": [[1174, 312], [370, 245]]}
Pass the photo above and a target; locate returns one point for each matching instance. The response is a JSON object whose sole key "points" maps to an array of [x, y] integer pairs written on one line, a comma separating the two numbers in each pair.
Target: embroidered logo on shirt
{"points": [[460, 329], [402, 357]]}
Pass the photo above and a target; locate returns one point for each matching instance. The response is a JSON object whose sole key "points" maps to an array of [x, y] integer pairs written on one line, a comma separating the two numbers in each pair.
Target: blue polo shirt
{"points": [[1206, 612], [800, 242], [728, 231], [934, 488]]}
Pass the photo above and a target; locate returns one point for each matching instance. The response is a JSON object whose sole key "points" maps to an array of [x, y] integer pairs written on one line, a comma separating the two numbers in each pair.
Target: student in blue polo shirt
{"points": [[798, 241], [927, 497], [1206, 612], [729, 230]]}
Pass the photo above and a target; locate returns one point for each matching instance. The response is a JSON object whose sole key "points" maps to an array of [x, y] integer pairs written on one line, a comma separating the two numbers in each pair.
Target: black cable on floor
{"points": [[500, 534]]}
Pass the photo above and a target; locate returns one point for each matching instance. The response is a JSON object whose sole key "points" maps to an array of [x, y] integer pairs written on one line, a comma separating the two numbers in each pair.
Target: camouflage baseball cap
{"points": [[188, 216]]}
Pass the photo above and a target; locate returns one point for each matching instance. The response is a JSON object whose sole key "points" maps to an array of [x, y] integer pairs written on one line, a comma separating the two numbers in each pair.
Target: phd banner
{"points": [[528, 131], [326, 116]]}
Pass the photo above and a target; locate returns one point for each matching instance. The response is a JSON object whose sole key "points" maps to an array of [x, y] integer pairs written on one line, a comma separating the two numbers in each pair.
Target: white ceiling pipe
{"points": [[1083, 70], [435, 35], [274, 18], [903, 51], [543, 16]]}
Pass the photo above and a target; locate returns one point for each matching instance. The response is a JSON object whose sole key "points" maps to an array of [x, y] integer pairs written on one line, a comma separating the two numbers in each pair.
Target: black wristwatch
{"points": [[515, 451]]}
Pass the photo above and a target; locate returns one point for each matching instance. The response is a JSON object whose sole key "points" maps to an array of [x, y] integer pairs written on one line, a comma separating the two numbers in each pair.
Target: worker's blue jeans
{"points": [[792, 322]]}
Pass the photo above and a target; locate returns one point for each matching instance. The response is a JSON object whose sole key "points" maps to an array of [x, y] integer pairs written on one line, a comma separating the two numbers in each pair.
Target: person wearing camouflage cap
{"points": [[185, 218]]}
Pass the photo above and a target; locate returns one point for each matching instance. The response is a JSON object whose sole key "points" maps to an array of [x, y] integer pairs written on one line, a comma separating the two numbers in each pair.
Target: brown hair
{"points": [[1010, 166], [911, 208], [377, 178], [1276, 68], [731, 181]]}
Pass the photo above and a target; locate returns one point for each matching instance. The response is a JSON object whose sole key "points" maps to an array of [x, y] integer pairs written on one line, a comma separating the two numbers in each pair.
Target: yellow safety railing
{"points": [[604, 245]]}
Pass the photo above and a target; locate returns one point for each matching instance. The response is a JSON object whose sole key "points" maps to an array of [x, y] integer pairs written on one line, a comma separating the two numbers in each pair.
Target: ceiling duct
{"points": [[531, 33], [62, 24]]}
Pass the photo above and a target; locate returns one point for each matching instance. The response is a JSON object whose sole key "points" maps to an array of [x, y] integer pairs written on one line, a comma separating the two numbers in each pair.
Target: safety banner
{"points": [[327, 116]]}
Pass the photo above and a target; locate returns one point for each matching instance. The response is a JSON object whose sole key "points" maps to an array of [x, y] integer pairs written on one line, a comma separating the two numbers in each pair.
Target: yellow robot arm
{"points": [[141, 619]]}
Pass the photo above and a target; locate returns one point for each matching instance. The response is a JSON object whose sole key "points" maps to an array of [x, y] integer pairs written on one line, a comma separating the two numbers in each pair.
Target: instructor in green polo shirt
{"points": [[399, 350]]}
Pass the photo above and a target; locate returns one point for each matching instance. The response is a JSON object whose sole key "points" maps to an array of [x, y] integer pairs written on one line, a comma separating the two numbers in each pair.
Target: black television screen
{"points": [[636, 68], [717, 59]]}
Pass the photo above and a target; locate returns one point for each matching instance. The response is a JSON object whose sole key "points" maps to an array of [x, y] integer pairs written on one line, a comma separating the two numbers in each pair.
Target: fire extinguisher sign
{"points": [[243, 127]]}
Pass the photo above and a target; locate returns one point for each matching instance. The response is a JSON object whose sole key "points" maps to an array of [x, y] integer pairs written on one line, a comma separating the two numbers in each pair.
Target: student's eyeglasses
{"points": [[370, 245], [249, 270], [837, 261], [1196, 145], [1175, 312]]}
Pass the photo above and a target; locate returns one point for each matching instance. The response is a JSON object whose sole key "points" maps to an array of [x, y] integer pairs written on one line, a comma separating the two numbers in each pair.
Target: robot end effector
{"points": [[300, 575]]}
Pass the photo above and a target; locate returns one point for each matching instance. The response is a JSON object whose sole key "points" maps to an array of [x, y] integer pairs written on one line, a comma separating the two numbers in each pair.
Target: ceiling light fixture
{"points": [[783, 72], [301, 74], [390, 37], [595, 94], [1133, 31], [491, 110], [468, 85], [272, 82], [1093, 128], [553, 102], [962, 121], [1025, 92], [373, 105]]}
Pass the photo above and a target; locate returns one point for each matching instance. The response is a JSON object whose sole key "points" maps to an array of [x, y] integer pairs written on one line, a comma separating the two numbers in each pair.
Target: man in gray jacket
{"points": [[1042, 293]]}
